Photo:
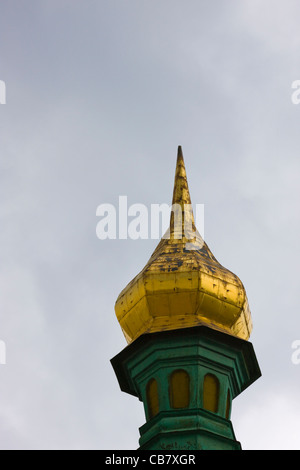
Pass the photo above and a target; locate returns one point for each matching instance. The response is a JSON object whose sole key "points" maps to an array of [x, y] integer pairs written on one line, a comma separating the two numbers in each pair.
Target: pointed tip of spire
{"points": [[180, 159], [181, 197], [181, 194]]}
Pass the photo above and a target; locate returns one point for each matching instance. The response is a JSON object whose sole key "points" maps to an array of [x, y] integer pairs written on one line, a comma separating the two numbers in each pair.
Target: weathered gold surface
{"points": [[183, 285]]}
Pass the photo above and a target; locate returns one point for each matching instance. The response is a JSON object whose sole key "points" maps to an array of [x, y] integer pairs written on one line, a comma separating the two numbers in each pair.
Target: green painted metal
{"points": [[191, 429], [199, 351]]}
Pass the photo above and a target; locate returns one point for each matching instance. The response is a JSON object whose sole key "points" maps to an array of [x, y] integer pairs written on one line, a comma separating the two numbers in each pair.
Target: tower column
{"points": [[187, 380]]}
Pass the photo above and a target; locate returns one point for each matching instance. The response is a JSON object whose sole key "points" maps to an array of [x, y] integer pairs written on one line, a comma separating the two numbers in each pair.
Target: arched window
{"points": [[179, 389], [227, 405], [152, 398], [211, 388]]}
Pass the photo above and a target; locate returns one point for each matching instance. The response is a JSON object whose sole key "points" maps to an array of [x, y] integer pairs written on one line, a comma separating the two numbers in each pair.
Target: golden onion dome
{"points": [[183, 285]]}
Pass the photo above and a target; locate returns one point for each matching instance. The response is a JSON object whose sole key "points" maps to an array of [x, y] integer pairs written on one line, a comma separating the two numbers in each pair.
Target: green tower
{"points": [[187, 321]]}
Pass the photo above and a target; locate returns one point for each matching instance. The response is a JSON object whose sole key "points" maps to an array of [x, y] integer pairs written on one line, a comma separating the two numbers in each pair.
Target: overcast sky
{"points": [[99, 94]]}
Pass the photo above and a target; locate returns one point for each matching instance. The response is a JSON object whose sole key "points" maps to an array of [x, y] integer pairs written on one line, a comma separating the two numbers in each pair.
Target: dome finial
{"points": [[182, 221], [181, 194]]}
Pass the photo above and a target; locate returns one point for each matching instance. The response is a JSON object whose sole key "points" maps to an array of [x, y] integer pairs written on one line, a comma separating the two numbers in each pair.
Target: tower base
{"points": [[192, 430], [187, 380]]}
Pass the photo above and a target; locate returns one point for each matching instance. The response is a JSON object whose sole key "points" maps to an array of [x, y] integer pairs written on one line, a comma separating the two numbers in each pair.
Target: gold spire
{"points": [[181, 193], [181, 202], [183, 285]]}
